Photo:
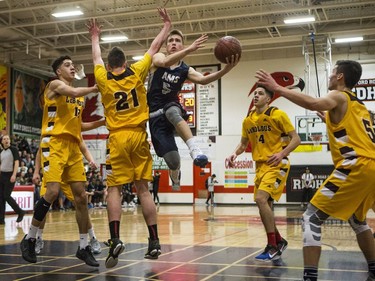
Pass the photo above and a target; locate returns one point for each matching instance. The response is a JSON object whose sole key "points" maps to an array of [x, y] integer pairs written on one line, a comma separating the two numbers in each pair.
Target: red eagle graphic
{"points": [[283, 78]]}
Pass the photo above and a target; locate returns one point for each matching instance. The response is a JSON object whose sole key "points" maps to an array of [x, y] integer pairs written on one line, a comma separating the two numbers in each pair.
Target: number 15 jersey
{"points": [[124, 95]]}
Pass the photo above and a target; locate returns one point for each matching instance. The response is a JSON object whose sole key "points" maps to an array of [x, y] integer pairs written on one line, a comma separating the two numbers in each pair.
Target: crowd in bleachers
{"points": [[95, 186]]}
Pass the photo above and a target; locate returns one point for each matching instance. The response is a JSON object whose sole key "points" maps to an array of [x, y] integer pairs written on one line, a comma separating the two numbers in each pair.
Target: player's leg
{"points": [[84, 251], [312, 220], [150, 216], [174, 116]]}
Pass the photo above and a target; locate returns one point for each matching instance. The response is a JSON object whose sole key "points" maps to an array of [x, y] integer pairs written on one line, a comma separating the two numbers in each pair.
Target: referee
{"points": [[9, 162]]}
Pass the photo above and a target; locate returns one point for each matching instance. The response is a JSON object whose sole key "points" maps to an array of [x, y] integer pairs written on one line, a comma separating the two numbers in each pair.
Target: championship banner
{"points": [[294, 182], [27, 113], [208, 104], [3, 96]]}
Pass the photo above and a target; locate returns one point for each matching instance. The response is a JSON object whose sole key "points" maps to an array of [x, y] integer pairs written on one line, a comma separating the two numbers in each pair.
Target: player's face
{"points": [[174, 44], [332, 83], [67, 70], [5, 141], [260, 97]]}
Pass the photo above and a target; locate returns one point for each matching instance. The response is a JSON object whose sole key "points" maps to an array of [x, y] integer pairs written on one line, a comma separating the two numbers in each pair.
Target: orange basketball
{"points": [[226, 47]]}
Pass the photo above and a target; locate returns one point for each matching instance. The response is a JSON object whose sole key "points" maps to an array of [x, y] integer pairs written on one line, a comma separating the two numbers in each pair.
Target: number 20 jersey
{"points": [[124, 95], [354, 135]]}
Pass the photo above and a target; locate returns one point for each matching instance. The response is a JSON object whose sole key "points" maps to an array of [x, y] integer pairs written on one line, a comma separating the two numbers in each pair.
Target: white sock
{"points": [[191, 143], [39, 233], [91, 233], [32, 232], [83, 241]]}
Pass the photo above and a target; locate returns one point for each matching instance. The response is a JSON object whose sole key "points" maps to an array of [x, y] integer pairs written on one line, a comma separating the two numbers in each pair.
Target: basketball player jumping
{"points": [[168, 73]]}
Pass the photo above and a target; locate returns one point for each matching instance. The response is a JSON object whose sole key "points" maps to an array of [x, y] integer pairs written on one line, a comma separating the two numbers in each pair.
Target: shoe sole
{"points": [[200, 162], [153, 257], [276, 257], [112, 261]]}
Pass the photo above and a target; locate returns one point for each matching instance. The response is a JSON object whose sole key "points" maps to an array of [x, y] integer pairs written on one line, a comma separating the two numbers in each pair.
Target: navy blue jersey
{"points": [[164, 85]]}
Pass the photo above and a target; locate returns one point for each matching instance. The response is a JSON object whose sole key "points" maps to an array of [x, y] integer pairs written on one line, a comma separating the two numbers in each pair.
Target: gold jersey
{"points": [[124, 95], [267, 132], [62, 116], [354, 135]]}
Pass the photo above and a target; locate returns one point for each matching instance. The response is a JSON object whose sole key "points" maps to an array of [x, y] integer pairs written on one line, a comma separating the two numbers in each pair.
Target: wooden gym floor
{"points": [[198, 243]]}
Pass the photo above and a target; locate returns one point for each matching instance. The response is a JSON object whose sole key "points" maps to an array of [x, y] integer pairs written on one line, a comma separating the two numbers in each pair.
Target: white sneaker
{"points": [[39, 244], [95, 246]]}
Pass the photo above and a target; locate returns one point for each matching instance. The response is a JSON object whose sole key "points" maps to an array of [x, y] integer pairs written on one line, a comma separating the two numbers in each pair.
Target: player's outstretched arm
{"points": [[328, 102], [58, 87], [95, 29], [161, 60], [163, 34], [199, 78]]}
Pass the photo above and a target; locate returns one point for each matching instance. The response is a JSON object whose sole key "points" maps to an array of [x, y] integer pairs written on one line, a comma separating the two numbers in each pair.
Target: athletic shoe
{"points": [[28, 249], [86, 255], [282, 245], [116, 247], [153, 251], [199, 158], [270, 253], [39, 245], [95, 246]]}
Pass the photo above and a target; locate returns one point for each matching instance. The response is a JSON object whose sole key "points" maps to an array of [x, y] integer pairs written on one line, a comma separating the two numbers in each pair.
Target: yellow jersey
{"points": [[124, 95], [62, 116], [354, 136], [267, 132]]}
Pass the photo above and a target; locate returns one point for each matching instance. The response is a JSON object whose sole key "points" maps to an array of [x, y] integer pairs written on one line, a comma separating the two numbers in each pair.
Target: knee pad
{"points": [[358, 226], [41, 209], [174, 115], [172, 159], [312, 221]]}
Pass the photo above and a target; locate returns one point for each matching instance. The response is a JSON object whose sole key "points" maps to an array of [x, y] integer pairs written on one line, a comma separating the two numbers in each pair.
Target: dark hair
{"points": [[268, 92], [116, 57], [176, 32], [352, 71], [58, 62], [213, 175]]}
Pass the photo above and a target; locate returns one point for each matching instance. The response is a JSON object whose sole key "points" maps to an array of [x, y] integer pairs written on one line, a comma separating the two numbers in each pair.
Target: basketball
{"points": [[227, 46]]}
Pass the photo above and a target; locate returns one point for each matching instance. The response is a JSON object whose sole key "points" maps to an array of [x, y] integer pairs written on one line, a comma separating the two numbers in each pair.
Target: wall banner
{"points": [[294, 182]]}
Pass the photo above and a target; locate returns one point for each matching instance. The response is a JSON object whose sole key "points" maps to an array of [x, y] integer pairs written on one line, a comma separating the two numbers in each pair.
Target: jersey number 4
{"points": [[123, 102]]}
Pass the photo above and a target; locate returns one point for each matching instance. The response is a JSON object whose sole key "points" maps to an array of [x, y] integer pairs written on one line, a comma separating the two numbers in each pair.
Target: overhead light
{"points": [[137, 57], [114, 38], [349, 39], [62, 13], [302, 19]]}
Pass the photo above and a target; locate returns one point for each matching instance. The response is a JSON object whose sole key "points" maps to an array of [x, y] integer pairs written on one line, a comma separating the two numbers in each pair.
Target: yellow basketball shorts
{"points": [[128, 157], [62, 160], [350, 189], [271, 179]]}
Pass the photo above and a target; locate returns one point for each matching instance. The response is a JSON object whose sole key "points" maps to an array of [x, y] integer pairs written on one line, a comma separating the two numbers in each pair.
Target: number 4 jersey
{"points": [[267, 132], [124, 95]]}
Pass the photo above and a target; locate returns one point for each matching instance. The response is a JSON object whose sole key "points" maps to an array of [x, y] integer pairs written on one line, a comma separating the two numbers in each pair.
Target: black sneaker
{"points": [[153, 251], [86, 255], [116, 247], [28, 249], [20, 216], [282, 245], [270, 253]]}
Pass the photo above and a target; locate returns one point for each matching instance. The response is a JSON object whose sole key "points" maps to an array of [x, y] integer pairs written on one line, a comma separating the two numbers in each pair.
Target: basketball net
{"points": [[316, 139]]}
